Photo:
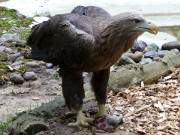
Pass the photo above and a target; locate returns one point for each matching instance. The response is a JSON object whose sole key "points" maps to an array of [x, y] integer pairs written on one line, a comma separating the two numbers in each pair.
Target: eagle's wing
{"points": [[62, 36]]}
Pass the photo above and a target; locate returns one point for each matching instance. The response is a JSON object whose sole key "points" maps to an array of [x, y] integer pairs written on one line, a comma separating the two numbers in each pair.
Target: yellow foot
{"points": [[102, 111], [82, 120]]}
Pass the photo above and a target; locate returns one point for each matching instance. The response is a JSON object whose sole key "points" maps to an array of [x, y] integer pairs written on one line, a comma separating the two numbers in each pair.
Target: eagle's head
{"points": [[133, 24]]}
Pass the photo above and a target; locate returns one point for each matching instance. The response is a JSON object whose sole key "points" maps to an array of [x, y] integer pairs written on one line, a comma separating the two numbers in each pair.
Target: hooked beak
{"points": [[152, 28], [149, 27]]}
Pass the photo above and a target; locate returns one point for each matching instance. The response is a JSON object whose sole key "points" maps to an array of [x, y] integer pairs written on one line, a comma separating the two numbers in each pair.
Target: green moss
{"points": [[8, 12], [55, 76], [23, 22], [24, 34], [3, 126], [22, 69], [10, 18], [3, 56], [5, 24], [3, 71]]}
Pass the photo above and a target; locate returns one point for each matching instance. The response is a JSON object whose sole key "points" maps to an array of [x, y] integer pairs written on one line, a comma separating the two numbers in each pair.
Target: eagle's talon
{"points": [[82, 120], [101, 112]]}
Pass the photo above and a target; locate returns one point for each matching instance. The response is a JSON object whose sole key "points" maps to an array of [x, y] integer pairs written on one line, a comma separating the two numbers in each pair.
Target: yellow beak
{"points": [[152, 28]]}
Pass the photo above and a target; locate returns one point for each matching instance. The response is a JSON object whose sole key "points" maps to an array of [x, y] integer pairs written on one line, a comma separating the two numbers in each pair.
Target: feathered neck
{"points": [[113, 42]]}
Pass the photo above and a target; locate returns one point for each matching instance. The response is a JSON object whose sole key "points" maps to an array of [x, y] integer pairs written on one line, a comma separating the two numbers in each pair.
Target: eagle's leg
{"points": [[99, 84], [73, 92]]}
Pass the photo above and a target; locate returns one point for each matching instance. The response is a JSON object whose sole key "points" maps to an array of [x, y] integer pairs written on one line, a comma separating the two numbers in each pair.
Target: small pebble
{"points": [[49, 65], [150, 54], [29, 76]]}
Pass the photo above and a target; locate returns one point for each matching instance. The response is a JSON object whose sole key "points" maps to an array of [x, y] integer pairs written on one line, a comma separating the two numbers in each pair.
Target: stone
{"points": [[171, 45], [139, 46], [137, 56], [29, 76], [150, 54], [49, 65], [151, 47], [162, 53], [146, 61], [16, 65], [125, 59], [6, 50], [176, 51], [13, 57], [16, 78], [9, 38], [33, 64]]}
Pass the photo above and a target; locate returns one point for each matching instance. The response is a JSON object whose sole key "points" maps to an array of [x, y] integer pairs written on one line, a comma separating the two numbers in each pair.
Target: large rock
{"points": [[139, 46], [171, 45]]}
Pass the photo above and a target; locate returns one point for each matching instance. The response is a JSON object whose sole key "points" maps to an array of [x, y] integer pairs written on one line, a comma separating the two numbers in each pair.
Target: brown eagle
{"points": [[86, 40]]}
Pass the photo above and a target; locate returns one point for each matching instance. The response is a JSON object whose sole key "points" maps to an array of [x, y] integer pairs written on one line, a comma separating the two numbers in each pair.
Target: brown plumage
{"points": [[79, 43]]}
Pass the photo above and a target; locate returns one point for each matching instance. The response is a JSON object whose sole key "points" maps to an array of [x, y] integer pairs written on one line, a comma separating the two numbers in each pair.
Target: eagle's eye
{"points": [[136, 21]]}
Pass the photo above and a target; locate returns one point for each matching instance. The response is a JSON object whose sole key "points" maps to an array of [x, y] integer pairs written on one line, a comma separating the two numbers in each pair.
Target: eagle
{"points": [[88, 39]]}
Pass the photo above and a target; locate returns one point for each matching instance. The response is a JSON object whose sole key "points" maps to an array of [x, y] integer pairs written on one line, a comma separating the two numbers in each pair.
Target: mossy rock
{"points": [[10, 18], [3, 72], [8, 12], [22, 69], [3, 56], [24, 34]]}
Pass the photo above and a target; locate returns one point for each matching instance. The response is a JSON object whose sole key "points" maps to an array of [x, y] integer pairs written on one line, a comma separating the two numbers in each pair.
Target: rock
{"points": [[115, 120], [9, 38], [49, 65], [29, 76], [139, 46], [13, 57], [20, 58], [125, 60], [150, 54], [151, 47], [162, 53], [16, 65], [6, 50], [3, 56], [33, 64], [176, 51], [16, 79], [137, 56], [171, 45], [146, 61]]}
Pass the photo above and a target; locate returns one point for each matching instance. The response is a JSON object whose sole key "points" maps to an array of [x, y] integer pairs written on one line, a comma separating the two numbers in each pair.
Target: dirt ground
{"points": [[146, 109], [17, 98]]}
